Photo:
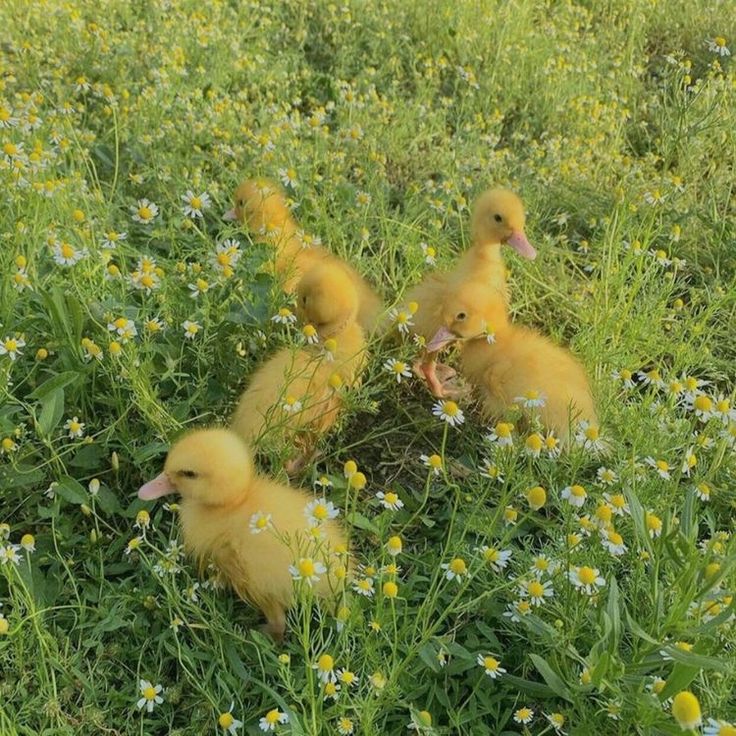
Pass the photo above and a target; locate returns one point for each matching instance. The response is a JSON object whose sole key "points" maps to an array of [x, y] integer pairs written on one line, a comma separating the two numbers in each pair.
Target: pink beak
{"points": [[159, 486], [441, 339], [517, 240], [230, 216]]}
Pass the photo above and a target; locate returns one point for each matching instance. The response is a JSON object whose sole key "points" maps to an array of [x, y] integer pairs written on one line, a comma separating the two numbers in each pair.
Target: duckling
{"points": [[223, 499], [296, 395], [505, 362], [498, 218], [261, 205]]}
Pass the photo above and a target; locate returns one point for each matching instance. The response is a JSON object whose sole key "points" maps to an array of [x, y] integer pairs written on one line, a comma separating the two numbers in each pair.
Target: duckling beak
{"points": [[517, 240], [159, 486], [230, 215], [442, 338]]}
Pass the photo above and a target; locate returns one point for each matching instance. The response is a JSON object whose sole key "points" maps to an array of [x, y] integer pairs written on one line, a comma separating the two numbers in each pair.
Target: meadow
{"points": [[129, 311]]}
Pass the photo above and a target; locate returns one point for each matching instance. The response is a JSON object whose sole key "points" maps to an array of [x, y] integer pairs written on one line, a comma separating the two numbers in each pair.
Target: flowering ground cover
{"points": [[502, 586]]}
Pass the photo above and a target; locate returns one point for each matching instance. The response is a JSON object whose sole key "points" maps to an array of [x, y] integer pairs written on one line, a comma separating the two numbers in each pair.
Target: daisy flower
{"points": [[429, 253], [719, 728], [307, 569], [490, 665], [66, 254], [284, 316], [588, 436], [703, 491], [524, 715], [542, 565], [364, 586], [345, 726], [450, 412], [331, 691], [288, 177], [686, 710], [309, 332], [498, 559], [433, 462], [11, 346], [613, 542], [606, 476], [200, 286], [111, 238], [191, 328], [397, 368], [420, 721], [531, 399], [501, 434], [556, 720], [514, 611], [390, 500], [587, 579], [259, 522], [272, 719], [347, 677], [625, 376], [74, 427], [402, 319], [552, 445], [488, 469], [323, 483], [661, 466], [227, 722], [533, 444], [394, 546], [325, 667], [319, 510], [195, 204], [723, 410], [575, 495], [510, 516], [718, 46], [703, 407], [650, 378], [536, 497], [144, 211], [536, 591], [456, 569], [618, 502], [149, 695], [291, 405], [9, 553], [653, 524]]}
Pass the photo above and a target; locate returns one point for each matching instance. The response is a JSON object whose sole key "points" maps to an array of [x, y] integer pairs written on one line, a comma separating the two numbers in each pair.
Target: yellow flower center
{"points": [[394, 544], [604, 513], [592, 433], [510, 514], [272, 717], [724, 405], [147, 281], [532, 395], [703, 403], [704, 489], [145, 213], [149, 693], [10, 149], [390, 589], [653, 522], [683, 646], [618, 501], [67, 251], [350, 468], [586, 575], [399, 367], [536, 497], [686, 710], [663, 465], [325, 663], [435, 461], [306, 568], [721, 42], [541, 563], [626, 374], [534, 442], [458, 566], [490, 663], [577, 491], [535, 589], [503, 429], [523, 607], [491, 555], [358, 481], [330, 344], [450, 408], [11, 345], [74, 426], [195, 202], [226, 720], [615, 538]]}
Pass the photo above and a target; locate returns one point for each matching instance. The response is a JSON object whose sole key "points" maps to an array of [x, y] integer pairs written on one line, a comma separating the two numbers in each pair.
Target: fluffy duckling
{"points": [[510, 364], [260, 204], [296, 395], [498, 218], [252, 528]]}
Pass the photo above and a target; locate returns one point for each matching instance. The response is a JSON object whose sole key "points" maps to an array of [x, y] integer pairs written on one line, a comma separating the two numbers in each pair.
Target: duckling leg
{"points": [[434, 373], [275, 625]]}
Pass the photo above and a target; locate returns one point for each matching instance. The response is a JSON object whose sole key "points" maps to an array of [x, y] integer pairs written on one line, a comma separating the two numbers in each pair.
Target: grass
{"points": [[613, 120]]}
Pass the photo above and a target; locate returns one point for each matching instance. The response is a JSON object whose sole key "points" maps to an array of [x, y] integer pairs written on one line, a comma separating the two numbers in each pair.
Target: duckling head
{"points": [[249, 198], [498, 217], [467, 314], [210, 466], [327, 299]]}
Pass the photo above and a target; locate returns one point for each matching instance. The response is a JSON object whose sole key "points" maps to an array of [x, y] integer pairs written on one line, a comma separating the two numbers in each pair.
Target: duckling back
{"points": [[522, 361]]}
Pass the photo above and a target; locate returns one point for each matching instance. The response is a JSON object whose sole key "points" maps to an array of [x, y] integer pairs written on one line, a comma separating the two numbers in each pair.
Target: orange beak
{"points": [[442, 338], [159, 486], [517, 240]]}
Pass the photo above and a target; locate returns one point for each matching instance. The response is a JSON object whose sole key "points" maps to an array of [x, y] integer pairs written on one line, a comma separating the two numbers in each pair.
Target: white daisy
{"points": [[390, 500], [398, 368], [586, 579], [450, 412], [259, 522], [490, 665], [319, 510], [144, 211], [307, 569], [149, 695]]}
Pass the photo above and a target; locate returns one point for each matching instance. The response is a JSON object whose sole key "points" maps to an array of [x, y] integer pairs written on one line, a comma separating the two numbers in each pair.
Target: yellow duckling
{"points": [[498, 218], [260, 204], [296, 396], [510, 364], [252, 528]]}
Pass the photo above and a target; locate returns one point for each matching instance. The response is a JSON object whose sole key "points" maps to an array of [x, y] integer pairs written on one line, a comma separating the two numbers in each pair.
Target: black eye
{"points": [[187, 473], [498, 218], [460, 316], [304, 299]]}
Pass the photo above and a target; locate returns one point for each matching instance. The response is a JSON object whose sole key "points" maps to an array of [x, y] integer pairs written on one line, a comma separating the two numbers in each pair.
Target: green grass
{"points": [[613, 120]]}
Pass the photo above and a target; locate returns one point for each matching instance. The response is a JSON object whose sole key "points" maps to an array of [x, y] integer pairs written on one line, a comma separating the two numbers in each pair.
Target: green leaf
{"points": [[20, 476], [71, 490], [680, 677], [59, 381], [536, 689], [428, 655], [360, 521], [551, 677], [52, 410], [614, 614], [107, 501], [692, 659]]}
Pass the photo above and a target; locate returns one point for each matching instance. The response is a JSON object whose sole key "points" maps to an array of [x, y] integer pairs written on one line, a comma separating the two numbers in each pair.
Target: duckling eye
{"points": [[304, 300], [460, 316], [188, 473], [498, 218]]}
